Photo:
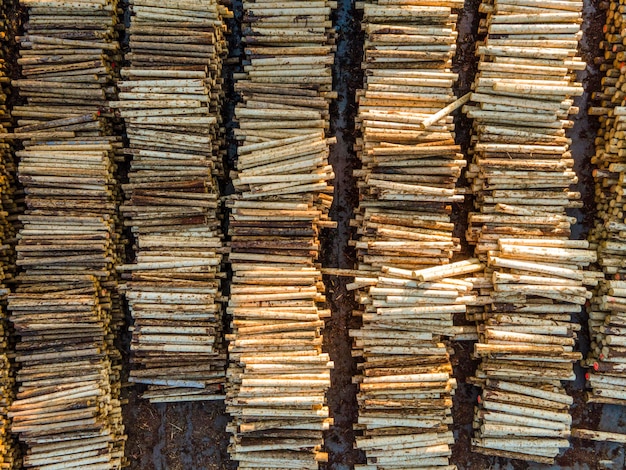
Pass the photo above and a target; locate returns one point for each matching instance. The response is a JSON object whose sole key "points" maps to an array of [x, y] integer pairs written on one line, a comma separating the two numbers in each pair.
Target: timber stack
{"points": [[526, 344], [410, 161], [8, 450], [170, 98], [606, 377], [278, 375], [406, 387], [9, 455], [522, 96], [409, 291], [65, 310], [521, 173]]}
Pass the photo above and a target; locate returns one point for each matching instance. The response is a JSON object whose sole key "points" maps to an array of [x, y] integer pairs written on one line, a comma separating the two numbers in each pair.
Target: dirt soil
{"points": [[191, 436], [348, 77]]}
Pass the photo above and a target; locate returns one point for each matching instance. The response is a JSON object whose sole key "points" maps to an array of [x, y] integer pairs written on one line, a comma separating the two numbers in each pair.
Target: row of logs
{"points": [[9, 455], [278, 374], [66, 311], [170, 98], [410, 292], [521, 173], [526, 346], [607, 315]]}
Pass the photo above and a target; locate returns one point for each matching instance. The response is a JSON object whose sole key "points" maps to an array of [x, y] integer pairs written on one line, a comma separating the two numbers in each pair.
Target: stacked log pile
{"points": [[406, 386], [606, 377], [8, 450], [521, 172], [607, 316], [522, 167], [170, 98], [410, 160], [526, 343], [278, 374], [410, 166], [67, 410]]}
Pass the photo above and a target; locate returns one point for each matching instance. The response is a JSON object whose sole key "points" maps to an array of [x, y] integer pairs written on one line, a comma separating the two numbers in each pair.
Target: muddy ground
{"points": [[192, 436]]}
